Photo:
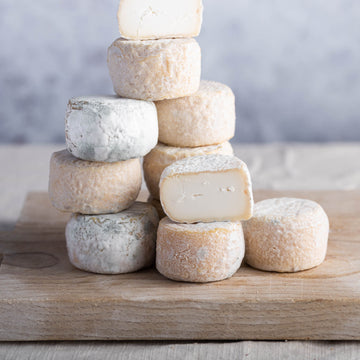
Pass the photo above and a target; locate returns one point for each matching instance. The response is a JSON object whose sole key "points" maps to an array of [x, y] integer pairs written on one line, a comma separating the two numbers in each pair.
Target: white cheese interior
{"points": [[144, 19], [206, 196]]}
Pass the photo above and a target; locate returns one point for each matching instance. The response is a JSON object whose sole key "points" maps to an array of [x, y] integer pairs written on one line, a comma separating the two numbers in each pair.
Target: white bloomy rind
{"points": [[206, 117], [199, 252], [286, 235], [109, 128], [162, 156], [207, 188], [90, 187], [113, 243], [154, 69], [156, 19]]}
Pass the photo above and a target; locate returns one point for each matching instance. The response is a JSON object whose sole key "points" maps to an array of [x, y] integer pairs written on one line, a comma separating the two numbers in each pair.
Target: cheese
{"points": [[88, 187], [109, 128], [155, 19], [113, 243], [162, 156], [286, 235], [157, 205], [207, 188], [155, 69], [206, 117], [199, 252]]}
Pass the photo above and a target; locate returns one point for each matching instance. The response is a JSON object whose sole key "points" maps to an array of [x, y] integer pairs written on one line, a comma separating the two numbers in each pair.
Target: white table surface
{"points": [[272, 166]]}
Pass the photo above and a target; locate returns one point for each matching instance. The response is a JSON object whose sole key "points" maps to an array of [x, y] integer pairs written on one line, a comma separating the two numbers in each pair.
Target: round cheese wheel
{"points": [[155, 69], [113, 243], [206, 117], [89, 187], [199, 252], [162, 156], [286, 235], [109, 128]]}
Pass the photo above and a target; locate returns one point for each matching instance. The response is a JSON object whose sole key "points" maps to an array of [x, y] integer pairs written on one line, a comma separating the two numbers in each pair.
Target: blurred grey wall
{"points": [[294, 66]]}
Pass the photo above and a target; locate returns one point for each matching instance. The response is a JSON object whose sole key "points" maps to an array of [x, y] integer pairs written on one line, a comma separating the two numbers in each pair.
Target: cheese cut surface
{"points": [[88, 187], [154, 69], [162, 156], [113, 243], [109, 128], [157, 205], [207, 188], [199, 252], [155, 19], [206, 117], [286, 235]]}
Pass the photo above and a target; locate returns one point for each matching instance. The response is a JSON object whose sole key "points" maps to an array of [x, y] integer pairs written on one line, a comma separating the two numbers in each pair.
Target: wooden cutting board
{"points": [[42, 297]]}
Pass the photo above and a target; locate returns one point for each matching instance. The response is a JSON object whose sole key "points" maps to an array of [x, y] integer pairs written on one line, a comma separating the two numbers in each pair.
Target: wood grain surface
{"points": [[44, 298]]}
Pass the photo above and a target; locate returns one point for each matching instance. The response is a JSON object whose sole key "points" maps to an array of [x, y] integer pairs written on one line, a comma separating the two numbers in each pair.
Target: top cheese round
{"points": [[155, 69], [109, 128], [206, 117]]}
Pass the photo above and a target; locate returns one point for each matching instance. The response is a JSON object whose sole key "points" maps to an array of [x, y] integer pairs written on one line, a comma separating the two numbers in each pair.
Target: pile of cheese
{"points": [[181, 125]]}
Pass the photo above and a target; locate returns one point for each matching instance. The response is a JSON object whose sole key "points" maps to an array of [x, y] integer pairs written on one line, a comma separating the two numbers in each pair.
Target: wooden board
{"points": [[42, 297]]}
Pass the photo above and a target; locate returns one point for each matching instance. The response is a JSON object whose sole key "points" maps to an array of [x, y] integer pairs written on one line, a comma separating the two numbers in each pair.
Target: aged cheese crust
{"points": [[109, 128], [155, 69], [156, 19], [206, 117], [113, 243], [157, 205], [207, 188], [87, 187], [199, 252], [286, 235], [162, 156]]}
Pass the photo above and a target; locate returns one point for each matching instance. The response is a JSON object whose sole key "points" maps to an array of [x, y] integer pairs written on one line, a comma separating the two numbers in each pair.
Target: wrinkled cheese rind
{"points": [[109, 128], [155, 69], [206, 117], [286, 235], [156, 19], [162, 156], [113, 243], [89, 187], [199, 252]]}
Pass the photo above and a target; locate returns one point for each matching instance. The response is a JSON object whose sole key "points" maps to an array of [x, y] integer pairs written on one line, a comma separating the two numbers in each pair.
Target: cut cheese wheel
{"points": [[88, 187], [162, 156], [155, 19], [207, 188], [206, 117], [199, 252], [113, 243], [155, 69], [157, 205], [286, 235], [109, 128]]}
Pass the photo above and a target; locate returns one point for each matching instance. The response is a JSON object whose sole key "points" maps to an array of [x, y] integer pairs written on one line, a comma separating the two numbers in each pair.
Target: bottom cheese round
{"points": [[113, 243], [199, 252], [286, 235]]}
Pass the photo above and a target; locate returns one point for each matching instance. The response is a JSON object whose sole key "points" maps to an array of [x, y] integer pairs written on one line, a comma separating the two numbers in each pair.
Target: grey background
{"points": [[294, 66]]}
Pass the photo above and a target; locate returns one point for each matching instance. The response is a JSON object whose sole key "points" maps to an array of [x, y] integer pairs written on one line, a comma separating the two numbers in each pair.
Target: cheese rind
{"points": [[286, 235], [206, 117], [113, 243], [199, 252], [109, 128], [157, 205], [156, 19], [154, 69], [88, 187], [207, 188], [162, 156]]}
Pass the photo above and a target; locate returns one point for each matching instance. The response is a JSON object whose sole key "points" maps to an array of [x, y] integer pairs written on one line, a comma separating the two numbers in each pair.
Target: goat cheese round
{"points": [[286, 235], [113, 243], [89, 187], [162, 156], [199, 252], [206, 117], [155, 69], [109, 128]]}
